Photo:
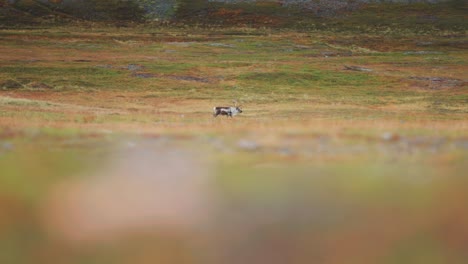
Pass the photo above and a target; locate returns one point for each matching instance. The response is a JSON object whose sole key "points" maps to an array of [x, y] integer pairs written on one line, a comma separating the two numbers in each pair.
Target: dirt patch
{"points": [[10, 85], [190, 79], [144, 75], [39, 85], [438, 83], [327, 54], [458, 44]]}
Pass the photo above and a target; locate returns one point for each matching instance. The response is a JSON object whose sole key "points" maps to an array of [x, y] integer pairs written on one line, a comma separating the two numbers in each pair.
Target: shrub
{"points": [[104, 9]]}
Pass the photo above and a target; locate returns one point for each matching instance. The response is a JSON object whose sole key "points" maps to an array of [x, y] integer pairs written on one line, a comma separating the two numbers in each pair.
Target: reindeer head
{"points": [[237, 108]]}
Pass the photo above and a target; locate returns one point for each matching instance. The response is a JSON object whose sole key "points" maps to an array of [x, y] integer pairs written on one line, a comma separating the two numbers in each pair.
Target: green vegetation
{"points": [[352, 146]]}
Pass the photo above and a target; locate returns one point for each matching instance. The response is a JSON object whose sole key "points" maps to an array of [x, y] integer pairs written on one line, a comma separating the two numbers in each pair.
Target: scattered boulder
{"points": [[424, 43], [422, 52], [357, 68], [104, 66], [462, 144], [222, 45], [11, 84], [144, 75], [134, 67], [390, 137], [285, 151], [247, 145], [336, 53], [436, 83], [182, 44], [303, 47], [39, 85], [190, 78], [6, 147]]}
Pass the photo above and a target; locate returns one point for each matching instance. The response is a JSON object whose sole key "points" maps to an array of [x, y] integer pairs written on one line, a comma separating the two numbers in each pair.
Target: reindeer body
{"points": [[226, 110]]}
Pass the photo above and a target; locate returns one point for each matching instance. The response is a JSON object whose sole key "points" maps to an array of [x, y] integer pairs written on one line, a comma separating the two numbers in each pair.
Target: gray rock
{"points": [[222, 45], [357, 68], [248, 145], [134, 67], [390, 136]]}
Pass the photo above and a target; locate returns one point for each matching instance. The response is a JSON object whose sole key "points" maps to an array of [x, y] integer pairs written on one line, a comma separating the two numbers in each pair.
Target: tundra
{"points": [[226, 110]]}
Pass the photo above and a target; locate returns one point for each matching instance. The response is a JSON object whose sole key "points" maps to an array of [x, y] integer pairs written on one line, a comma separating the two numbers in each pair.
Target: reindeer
{"points": [[227, 110]]}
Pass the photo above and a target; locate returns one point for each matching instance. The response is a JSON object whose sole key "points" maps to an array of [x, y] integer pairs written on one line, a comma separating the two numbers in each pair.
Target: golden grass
{"points": [[351, 167], [170, 104], [127, 112]]}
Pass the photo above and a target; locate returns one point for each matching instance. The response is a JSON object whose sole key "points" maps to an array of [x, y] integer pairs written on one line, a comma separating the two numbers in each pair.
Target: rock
{"points": [[248, 145], [357, 68], [302, 47], [181, 44], [39, 85], [134, 67], [218, 144], [390, 136], [222, 45], [130, 144], [424, 43], [335, 54], [144, 75], [422, 52], [190, 78], [6, 146], [285, 151], [104, 66], [461, 144], [439, 82], [11, 84]]}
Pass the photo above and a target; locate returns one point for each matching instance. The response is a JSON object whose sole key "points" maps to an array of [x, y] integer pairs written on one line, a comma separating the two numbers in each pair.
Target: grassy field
{"points": [[352, 147]]}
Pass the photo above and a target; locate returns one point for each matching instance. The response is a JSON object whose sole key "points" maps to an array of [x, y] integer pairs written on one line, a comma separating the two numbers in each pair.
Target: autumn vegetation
{"points": [[352, 146]]}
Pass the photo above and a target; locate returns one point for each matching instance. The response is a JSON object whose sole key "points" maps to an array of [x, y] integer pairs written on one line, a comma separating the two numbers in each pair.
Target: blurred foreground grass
{"points": [[352, 147], [165, 199]]}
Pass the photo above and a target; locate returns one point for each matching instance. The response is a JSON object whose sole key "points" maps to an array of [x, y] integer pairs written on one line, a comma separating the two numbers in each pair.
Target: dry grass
{"points": [[324, 164]]}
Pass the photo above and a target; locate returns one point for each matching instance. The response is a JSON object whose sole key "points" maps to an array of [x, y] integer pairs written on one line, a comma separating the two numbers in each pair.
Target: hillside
{"points": [[331, 14]]}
